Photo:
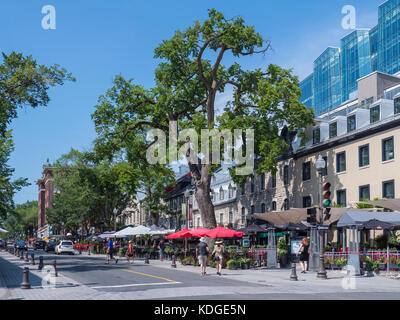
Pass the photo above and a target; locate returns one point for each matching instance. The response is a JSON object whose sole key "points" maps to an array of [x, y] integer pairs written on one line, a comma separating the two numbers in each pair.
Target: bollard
{"points": [[173, 265], [32, 259], [26, 256], [21, 256], [147, 259], [293, 276], [40, 263], [25, 279], [55, 269]]}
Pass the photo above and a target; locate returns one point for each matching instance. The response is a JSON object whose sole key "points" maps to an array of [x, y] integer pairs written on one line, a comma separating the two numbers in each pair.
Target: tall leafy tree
{"points": [[188, 80], [22, 222], [23, 82]]}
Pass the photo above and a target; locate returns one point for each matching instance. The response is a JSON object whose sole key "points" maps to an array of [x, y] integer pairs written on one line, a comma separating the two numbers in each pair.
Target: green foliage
{"points": [[232, 263], [340, 262], [87, 192], [25, 83], [121, 252], [22, 222], [282, 245]]}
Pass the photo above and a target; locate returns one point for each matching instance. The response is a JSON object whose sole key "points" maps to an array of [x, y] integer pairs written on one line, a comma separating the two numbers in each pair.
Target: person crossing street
{"points": [[110, 251]]}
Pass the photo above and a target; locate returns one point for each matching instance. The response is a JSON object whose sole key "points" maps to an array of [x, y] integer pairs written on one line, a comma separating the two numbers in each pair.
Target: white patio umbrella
{"points": [[3, 230], [140, 230], [125, 232]]}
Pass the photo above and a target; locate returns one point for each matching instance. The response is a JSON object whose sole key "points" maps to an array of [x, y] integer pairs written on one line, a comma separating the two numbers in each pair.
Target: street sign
{"points": [[246, 242]]}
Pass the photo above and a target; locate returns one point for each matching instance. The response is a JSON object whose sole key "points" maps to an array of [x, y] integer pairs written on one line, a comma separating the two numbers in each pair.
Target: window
{"points": [[341, 162], [221, 218], [198, 222], [212, 195], [273, 181], [307, 171], [286, 175], [230, 217], [307, 202], [388, 189], [273, 206], [333, 130], [263, 208], [252, 210], [243, 214], [397, 105], [351, 123], [262, 184], [252, 185], [363, 156], [387, 149], [221, 194], [341, 197], [243, 188], [374, 114], [230, 189], [316, 135], [364, 193], [286, 204]]}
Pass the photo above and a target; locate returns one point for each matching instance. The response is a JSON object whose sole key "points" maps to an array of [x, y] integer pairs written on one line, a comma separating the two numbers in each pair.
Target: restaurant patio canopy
{"points": [[353, 218]]}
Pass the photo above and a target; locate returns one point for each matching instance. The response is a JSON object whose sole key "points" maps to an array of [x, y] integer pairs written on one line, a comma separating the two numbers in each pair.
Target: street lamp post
{"points": [[321, 164], [115, 220]]}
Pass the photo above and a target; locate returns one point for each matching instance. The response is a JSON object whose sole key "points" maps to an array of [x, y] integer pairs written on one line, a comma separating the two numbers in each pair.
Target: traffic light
{"points": [[326, 195], [312, 216], [327, 214]]}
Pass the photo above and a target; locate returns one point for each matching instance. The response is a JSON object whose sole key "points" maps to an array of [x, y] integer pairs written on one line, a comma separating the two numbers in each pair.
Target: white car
{"points": [[64, 246]]}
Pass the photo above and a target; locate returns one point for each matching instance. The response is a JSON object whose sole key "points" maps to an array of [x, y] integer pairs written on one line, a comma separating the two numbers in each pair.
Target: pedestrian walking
{"points": [[130, 253], [110, 251], [218, 254], [202, 251], [304, 255], [161, 247]]}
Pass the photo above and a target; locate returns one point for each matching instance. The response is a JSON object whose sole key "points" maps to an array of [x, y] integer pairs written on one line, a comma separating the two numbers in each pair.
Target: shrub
{"points": [[231, 264]]}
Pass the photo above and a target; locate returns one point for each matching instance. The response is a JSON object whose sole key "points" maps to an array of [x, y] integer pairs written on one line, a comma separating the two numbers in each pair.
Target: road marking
{"points": [[135, 285], [149, 275]]}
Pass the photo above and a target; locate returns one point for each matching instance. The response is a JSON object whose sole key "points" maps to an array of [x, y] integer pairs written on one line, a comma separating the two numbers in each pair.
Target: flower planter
{"points": [[382, 266], [394, 266]]}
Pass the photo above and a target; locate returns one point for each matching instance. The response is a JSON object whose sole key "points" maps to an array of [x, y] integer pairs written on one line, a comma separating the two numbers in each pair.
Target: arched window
{"points": [[221, 194], [243, 217], [230, 189], [286, 204], [263, 208], [273, 206], [252, 209], [262, 181]]}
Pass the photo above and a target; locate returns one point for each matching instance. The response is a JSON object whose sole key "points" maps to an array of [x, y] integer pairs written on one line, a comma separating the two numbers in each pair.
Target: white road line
{"points": [[135, 285]]}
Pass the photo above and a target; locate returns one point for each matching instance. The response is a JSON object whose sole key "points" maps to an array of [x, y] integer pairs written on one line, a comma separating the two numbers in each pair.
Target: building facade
{"points": [[337, 70], [45, 198]]}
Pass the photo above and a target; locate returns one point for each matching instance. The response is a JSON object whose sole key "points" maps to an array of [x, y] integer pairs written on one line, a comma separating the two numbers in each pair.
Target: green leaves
{"points": [[24, 82]]}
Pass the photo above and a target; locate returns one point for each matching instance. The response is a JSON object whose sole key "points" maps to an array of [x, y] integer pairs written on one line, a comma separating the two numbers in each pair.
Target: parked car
{"points": [[65, 246], [10, 244], [21, 245], [39, 244], [50, 246], [2, 243]]}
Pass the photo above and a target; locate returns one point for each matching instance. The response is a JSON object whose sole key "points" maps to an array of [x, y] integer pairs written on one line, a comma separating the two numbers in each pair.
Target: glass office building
{"points": [[361, 52], [307, 90], [355, 56], [389, 37], [327, 81]]}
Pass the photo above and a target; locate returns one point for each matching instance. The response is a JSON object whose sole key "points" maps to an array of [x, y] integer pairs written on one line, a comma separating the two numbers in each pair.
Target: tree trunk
{"points": [[205, 204]]}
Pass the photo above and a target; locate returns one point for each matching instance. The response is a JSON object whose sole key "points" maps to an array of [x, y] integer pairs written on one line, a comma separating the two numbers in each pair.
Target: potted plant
{"points": [[394, 263], [328, 263], [370, 267], [341, 263], [231, 264], [245, 263], [382, 263]]}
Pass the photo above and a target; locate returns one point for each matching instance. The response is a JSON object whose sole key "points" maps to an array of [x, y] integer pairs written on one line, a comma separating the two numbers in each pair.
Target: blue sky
{"points": [[96, 40]]}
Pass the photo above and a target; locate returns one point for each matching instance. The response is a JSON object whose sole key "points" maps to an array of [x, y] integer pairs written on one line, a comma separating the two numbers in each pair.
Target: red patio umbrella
{"points": [[185, 233], [199, 232], [220, 232]]}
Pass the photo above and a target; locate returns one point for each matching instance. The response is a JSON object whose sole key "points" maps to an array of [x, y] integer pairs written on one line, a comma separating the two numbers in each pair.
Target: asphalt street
{"points": [[92, 271]]}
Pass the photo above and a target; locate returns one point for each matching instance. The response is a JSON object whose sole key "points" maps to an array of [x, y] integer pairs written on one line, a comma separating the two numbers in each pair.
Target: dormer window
{"points": [[230, 189], [397, 105], [316, 135], [375, 114], [333, 130], [351, 123], [221, 194]]}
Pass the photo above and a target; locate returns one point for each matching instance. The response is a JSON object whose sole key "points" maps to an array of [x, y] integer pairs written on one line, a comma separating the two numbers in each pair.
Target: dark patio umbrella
{"points": [[253, 228], [375, 224], [291, 227]]}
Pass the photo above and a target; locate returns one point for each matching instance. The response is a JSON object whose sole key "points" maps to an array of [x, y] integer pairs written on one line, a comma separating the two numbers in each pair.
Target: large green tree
{"points": [[22, 222], [23, 82], [188, 79]]}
